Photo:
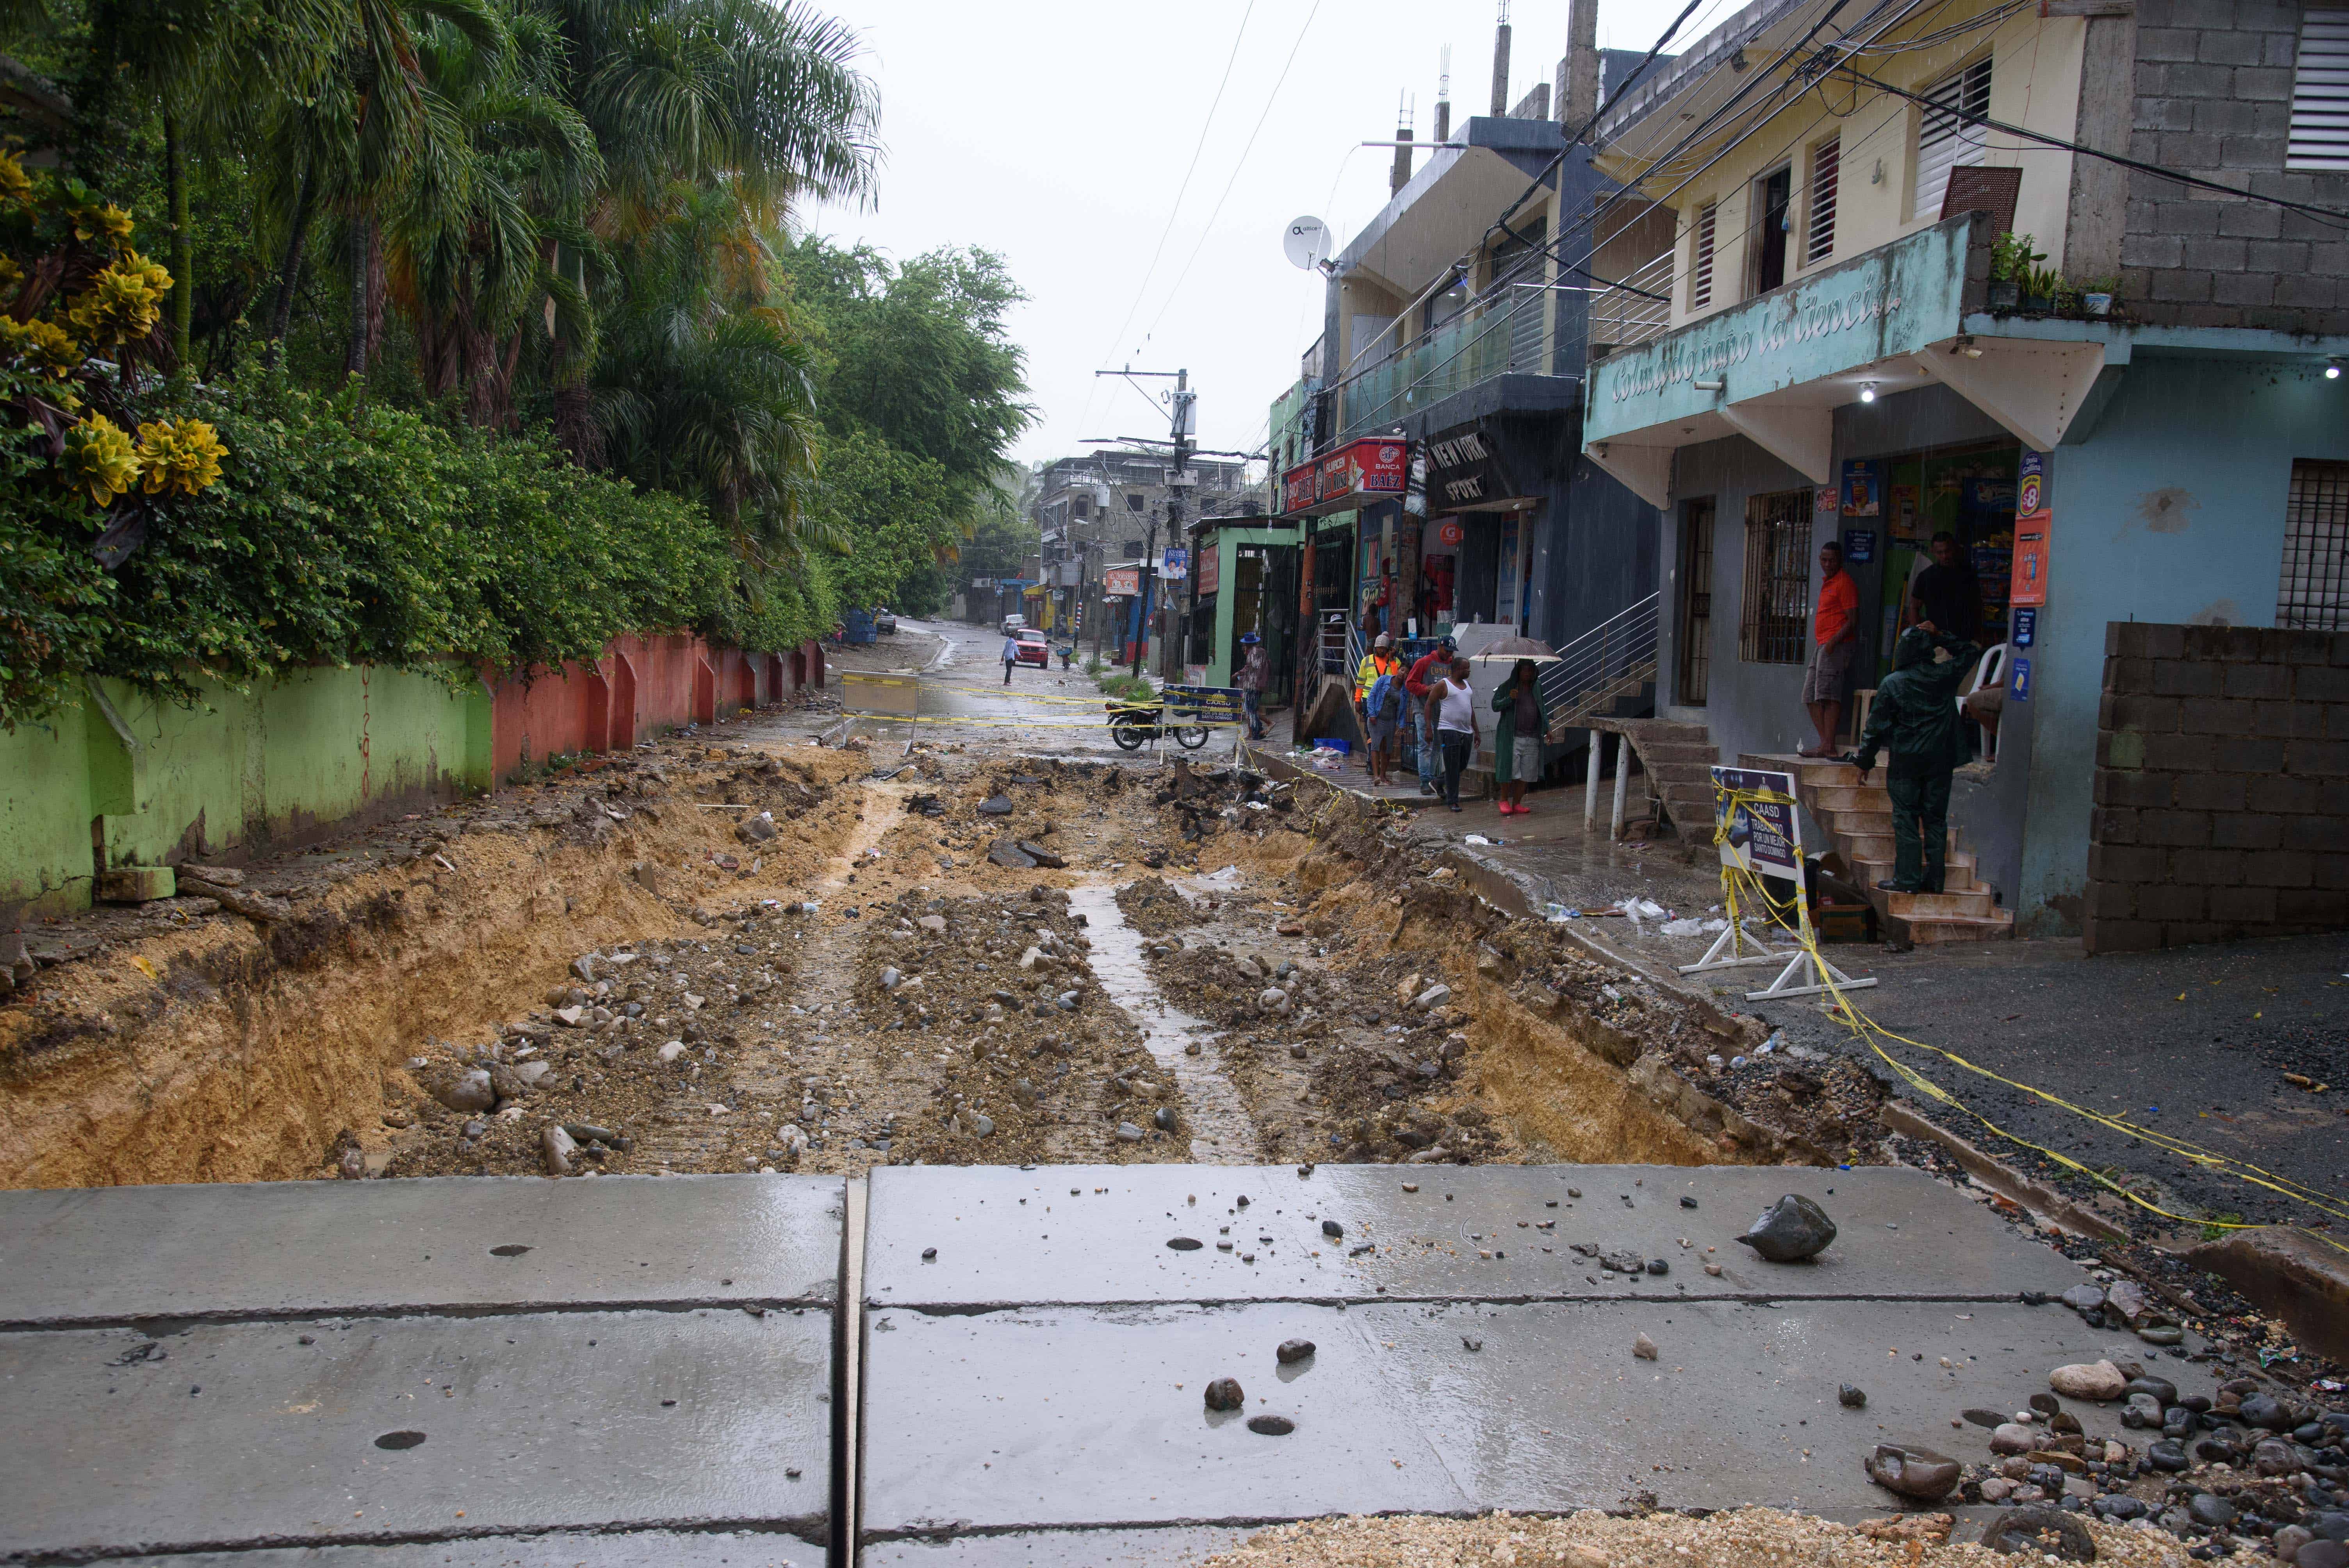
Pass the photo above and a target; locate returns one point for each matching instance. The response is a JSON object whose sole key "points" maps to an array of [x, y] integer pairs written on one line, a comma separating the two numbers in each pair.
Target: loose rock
{"points": [[1913, 1472], [1790, 1230], [1224, 1394], [2034, 1531], [2088, 1380], [1292, 1351]]}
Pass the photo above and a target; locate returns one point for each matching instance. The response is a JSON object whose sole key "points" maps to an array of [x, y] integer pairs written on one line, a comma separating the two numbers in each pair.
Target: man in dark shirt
{"points": [[1948, 595]]}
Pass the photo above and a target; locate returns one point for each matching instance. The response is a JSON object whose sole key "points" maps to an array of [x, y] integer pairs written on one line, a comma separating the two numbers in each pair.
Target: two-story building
{"points": [[2066, 281]]}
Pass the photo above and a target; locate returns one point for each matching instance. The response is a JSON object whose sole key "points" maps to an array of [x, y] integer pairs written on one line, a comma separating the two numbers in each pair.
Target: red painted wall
{"points": [[640, 685]]}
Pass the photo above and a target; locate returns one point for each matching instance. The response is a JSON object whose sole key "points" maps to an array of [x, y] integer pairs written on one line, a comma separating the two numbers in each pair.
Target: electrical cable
{"points": [[1197, 151], [1215, 212]]}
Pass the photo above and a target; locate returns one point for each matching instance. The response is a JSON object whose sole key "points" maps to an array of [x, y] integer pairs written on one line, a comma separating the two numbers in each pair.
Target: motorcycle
{"points": [[1133, 725]]}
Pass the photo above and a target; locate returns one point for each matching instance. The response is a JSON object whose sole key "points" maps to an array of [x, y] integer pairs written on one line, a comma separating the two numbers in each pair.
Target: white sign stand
{"points": [[1728, 949]]}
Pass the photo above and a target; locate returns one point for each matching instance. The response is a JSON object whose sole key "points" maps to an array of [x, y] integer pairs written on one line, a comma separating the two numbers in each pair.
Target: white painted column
{"points": [[1590, 783], [1622, 778]]}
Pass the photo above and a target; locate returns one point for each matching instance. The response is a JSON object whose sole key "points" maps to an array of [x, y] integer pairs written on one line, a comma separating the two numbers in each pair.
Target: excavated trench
{"points": [[869, 984]]}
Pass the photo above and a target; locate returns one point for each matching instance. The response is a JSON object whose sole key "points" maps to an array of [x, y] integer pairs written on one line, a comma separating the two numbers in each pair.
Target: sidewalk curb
{"points": [[2001, 1178]]}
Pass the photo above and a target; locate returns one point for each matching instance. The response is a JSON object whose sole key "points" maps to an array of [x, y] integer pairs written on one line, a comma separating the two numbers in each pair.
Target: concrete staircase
{"points": [[1858, 820], [1677, 760]]}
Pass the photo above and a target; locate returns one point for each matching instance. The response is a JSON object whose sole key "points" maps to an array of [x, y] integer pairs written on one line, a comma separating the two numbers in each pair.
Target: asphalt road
{"points": [[2193, 1043]]}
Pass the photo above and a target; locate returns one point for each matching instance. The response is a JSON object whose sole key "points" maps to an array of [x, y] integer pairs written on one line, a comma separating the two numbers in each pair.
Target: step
{"points": [[1695, 773], [1956, 876], [1998, 927], [1665, 731], [1858, 824], [1942, 905], [1846, 797], [1705, 754]]}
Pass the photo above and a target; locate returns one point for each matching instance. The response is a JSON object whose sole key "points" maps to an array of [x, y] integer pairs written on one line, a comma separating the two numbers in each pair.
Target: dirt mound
{"points": [[1153, 908]]}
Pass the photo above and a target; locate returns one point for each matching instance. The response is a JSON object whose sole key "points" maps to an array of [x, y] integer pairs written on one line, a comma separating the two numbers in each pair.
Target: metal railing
{"points": [[1612, 659], [1635, 308], [1493, 337]]}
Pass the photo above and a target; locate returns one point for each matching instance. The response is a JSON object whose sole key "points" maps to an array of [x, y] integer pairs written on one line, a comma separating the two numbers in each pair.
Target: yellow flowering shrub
{"points": [[42, 344], [99, 461], [101, 221], [123, 303], [15, 185], [179, 455]]}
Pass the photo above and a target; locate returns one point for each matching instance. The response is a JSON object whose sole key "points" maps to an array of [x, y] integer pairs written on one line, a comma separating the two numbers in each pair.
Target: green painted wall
{"points": [[122, 779]]}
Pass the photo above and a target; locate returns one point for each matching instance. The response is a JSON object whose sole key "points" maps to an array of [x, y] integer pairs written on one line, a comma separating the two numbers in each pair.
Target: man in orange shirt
{"points": [[1834, 642]]}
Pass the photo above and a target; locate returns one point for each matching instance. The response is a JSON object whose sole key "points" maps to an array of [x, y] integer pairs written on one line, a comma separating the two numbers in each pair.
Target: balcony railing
{"points": [[1491, 338], [1634, 308]]}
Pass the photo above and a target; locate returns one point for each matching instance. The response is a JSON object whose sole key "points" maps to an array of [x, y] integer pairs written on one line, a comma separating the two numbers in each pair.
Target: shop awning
{"points": [[1774, 369]]}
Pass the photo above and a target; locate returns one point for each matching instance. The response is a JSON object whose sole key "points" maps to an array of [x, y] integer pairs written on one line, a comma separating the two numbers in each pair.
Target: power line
{"points": [[1270, 98], [1197, 151]]}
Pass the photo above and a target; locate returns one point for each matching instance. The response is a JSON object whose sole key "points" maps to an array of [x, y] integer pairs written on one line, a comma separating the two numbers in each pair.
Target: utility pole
{"points": [[1184, 425]]}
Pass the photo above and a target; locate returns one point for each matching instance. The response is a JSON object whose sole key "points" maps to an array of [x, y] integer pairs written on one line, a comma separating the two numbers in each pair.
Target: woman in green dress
{"points": [[1518, 739]]}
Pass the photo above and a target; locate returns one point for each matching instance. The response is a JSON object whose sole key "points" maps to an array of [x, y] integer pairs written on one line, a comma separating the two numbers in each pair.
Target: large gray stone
{"points": [[241, 1434], [110, 1254], [1110, 1246]]}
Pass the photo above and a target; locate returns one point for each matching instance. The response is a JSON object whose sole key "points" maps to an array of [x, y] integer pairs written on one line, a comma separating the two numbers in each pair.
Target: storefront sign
{"points": [[2024, 628], [1362, 470], [1890, 303], [1122, 581], [2029, 583], [1211, 569], [2029, 494], [2018, 680], [1763, 835], [1297, 488], [1465, 470], [1828, 501], [1449, 532], [1859, 546]]}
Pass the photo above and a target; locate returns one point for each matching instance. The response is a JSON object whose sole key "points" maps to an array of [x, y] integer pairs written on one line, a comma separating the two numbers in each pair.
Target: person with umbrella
{"points": [[1517, 738]]}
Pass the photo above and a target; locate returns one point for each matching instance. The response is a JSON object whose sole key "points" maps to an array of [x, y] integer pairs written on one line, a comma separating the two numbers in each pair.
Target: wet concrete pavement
{"points": [[1040, 1380], [371, 1364]]}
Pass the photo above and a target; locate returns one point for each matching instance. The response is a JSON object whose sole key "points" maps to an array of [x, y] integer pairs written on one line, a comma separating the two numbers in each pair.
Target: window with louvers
{"points": [[1701, 265], [2320, 93], [1818, 234], [1944, 141], [2314, 595]]}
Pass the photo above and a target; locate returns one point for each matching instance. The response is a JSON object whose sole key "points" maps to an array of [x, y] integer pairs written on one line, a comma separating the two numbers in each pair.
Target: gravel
{"points": [[1748, 1538]]}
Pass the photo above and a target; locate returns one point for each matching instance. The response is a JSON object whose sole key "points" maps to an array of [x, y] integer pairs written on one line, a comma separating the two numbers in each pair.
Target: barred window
{"points": [[1701, 264], [2320, 92], [1774, 619], [1818, 235], [1945, 140], [2314, 594]]}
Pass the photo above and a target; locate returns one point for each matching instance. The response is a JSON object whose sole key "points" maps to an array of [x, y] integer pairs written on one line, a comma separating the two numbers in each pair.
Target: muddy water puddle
{"points": [[1223, 1132]]}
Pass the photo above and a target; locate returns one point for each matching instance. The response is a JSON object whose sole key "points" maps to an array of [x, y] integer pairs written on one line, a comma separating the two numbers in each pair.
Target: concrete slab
{"points": [[227, 1435], [1006, 1237], [561, 1549], [1064, 1416], [115, 1254], [1177, 1547]]}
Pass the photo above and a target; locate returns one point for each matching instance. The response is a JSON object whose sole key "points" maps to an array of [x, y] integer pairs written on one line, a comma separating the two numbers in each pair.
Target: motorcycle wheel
{"points": [[1128, 735], [1191, 736]]}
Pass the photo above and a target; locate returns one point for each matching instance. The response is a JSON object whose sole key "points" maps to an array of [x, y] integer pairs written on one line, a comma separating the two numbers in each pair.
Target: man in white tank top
{"points": [[1453, 707]]}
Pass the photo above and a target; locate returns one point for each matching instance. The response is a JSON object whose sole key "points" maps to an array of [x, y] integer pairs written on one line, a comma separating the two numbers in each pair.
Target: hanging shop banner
{"points": [[1211, 568], [2018, 680], [1763, 836], [1174, 564], [1465, 470], [1122, 581], [2029, 583], [2022, 628], [1202, 704], [1449, 533], [2030, 487], [1360, 472]]}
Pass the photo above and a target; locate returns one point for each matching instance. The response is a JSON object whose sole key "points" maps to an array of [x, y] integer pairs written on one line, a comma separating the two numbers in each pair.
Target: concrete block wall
{"points": [[2213, 98], [2221, 787]]}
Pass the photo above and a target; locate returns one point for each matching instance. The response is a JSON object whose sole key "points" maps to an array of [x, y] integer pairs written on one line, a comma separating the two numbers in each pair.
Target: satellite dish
{"points": [[1307, 242]]}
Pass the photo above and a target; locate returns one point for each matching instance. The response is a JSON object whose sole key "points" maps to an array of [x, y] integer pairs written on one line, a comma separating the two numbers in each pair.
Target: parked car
{"points": [[1012, 624], [1035, 647], [884, 621]]}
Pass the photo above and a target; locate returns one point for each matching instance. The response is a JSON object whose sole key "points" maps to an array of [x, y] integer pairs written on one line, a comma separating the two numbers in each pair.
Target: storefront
{"points": [[1474, 568], [1345, 503], [2111, 472], [1245, 582]]}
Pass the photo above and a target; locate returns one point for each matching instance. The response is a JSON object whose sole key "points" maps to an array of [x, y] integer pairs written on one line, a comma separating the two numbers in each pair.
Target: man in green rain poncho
{"points": [[1914, 717]]}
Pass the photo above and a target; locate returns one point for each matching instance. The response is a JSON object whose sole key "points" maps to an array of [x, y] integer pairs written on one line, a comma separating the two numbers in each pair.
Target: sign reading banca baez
{"points": [[1895, 300]]}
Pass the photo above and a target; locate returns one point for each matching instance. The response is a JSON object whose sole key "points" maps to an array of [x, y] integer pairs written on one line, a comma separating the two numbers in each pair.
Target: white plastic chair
{"points": [[1989, 674]]}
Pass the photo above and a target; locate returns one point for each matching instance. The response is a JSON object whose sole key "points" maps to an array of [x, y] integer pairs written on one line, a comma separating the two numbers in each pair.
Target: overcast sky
{"points": [[1057, 134]]}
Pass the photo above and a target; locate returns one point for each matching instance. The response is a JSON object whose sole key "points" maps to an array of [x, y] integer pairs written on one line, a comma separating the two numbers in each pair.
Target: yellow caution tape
{"points": [[1868, 1030]]}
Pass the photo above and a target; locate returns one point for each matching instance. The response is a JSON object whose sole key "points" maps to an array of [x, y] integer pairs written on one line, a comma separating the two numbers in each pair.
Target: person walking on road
{"points": [[1010, 655], [1834, 642], [1453, 707], [1915, 716], [1256, 672], [1517, 738], [1415, 681], [1380, 660]]}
